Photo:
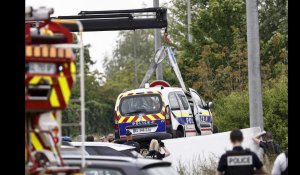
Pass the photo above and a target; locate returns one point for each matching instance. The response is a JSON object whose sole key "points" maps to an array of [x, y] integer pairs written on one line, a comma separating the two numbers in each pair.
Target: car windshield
{"points": [[147, 104], [164, 170]]}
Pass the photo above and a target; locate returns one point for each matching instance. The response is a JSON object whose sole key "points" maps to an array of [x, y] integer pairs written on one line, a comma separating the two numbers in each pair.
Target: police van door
{"points": [[178, 131], [203, 117], [186, 115]]}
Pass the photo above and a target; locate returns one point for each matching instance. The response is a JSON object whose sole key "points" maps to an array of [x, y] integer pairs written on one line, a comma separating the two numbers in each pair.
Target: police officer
{"points": [[268, 145], [239, 161], [281, 164], [131, 142]]}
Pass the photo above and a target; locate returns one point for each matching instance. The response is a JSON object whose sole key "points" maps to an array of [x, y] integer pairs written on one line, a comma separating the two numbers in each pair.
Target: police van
{"points": [[161, 112]]}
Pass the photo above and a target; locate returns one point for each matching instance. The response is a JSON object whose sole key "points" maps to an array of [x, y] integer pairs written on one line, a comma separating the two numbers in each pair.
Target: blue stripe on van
{"points": [[160, 123]]}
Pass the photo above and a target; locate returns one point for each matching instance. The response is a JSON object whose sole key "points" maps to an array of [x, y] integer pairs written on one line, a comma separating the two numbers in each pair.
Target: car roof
{"points": [[98, 160], [115, 146]]}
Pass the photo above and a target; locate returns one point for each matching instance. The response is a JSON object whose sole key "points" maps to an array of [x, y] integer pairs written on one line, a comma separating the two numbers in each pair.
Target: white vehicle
{"points": [[162, 113], [107, 149], [66, 150]]}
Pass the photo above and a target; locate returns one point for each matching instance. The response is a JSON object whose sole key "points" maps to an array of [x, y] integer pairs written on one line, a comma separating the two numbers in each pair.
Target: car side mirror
{"points": [[210, 105]]}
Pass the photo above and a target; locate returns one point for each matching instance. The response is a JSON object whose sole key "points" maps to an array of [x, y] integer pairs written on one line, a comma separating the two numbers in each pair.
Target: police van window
{"points": [[202, 100], [183, 101], [197, 99], [147, 104], [173, 101]]}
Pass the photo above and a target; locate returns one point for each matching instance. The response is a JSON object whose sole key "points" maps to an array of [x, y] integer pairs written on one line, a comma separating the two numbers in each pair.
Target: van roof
{"points": [[151, 89]]}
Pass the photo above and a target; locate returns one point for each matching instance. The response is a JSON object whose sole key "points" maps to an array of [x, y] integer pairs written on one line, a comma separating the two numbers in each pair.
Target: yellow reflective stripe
{"points": [[48, 78], [118, 113], [160, 116], [185, 115], [35, 80], [54, 99], [73, 70], [150, 117], [65, 90], [121, 119], [178, 114], [130, 119], [35, 142], [205, 113]]}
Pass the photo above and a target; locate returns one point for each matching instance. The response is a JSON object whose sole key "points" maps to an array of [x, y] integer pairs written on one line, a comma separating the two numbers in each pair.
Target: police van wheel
{"points": [[179, 134], [215, 129]]}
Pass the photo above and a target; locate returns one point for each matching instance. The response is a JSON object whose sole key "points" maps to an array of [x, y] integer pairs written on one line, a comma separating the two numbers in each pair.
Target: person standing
{"points": [[110, 137], [239, 161], [268, 145], [280, 166]]}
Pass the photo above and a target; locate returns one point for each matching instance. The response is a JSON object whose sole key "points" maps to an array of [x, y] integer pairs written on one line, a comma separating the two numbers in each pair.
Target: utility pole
{"points": [[190, 37], [159, 69], [135, 60], [255, 96]]}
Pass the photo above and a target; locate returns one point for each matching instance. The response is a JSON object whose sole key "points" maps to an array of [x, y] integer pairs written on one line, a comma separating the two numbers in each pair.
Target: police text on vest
{"points": [[239, 160]]}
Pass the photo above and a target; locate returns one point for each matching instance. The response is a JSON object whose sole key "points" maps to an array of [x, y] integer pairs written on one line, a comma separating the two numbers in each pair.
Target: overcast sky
{"points": [[102, 42]]}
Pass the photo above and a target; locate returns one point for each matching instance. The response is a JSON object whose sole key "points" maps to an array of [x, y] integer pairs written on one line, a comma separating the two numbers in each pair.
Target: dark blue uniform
{"points": [[239, 162]]}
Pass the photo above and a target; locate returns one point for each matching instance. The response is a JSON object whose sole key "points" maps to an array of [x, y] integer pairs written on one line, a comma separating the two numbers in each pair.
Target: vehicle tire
{"points": [[179, 134], [215, 129]]}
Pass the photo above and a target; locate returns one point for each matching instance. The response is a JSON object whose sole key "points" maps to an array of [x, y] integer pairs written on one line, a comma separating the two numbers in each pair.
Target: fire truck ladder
{"points": [[147, 18]]}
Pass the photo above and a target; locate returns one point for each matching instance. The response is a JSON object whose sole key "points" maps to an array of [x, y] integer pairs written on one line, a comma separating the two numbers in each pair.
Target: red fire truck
{"points": [[49, 77]]}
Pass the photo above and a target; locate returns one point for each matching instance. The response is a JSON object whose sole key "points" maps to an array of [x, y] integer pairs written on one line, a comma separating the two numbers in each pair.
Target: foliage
{"points": [[215, 64], [232, 111]]}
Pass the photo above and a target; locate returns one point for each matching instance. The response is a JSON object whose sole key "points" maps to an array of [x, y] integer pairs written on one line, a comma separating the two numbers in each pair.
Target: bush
{"points": [[232, 111]]}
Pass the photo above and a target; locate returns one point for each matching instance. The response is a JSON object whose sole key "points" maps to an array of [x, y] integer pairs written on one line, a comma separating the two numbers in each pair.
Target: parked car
{"points": [[107, 165], [71, 150], [107, 149]]}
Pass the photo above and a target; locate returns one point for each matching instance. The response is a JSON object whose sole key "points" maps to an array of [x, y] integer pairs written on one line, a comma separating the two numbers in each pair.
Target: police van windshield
{"points": [[147, 104]]}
